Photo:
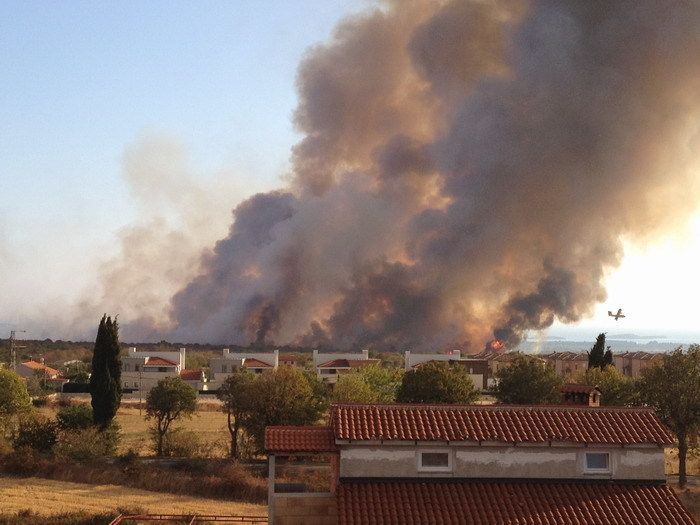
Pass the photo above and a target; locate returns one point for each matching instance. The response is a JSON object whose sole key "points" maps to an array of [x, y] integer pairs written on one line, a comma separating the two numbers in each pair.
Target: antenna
{"points": [[13, 348]]}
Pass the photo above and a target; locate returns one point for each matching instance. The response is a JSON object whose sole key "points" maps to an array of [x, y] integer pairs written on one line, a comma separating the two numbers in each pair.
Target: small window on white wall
{"points": [[435, 461], [597, 462]]}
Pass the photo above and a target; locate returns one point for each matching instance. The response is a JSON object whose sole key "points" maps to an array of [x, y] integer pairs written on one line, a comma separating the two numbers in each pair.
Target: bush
{"points": [[76, 388], [87, 444], [78, 417], [21, 462], [180, 443], [40, 401], [37, 433]]}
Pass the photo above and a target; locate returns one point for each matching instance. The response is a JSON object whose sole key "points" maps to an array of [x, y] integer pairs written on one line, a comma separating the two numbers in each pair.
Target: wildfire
{"points": [[496, 344]]}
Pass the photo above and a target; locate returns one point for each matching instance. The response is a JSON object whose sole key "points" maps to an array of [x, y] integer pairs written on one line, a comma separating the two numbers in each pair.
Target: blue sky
{"points": [[82, 81]]}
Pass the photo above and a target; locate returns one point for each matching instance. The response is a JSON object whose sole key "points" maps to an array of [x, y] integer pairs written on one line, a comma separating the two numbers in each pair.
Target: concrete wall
{"points": [[313, 509], [474, 461], [323, 357], [412, 359]]}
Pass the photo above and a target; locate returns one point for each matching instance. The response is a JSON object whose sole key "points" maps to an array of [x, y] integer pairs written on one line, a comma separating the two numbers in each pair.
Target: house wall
{"points": [[222, 367], [494, 461], [412, 359], [320, 358]]}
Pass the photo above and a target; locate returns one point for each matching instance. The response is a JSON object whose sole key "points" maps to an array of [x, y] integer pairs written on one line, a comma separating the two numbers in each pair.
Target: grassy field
{"points": [[210, 425], [47, 497], [209, 422]]}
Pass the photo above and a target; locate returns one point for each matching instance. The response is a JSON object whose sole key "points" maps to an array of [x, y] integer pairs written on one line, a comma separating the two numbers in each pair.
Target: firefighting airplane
{"points": [[618, 315]]}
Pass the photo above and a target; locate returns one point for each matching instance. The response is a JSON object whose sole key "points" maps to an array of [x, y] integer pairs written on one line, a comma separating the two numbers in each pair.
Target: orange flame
{"points": [[496, 344]]}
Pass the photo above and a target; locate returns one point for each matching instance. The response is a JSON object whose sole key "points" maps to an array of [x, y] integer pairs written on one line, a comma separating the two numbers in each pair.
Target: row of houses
{"points": [[141, 370]]}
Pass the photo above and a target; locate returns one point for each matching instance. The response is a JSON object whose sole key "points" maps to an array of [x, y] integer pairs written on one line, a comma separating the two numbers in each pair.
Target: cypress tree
{"points": [[105, 392], [99, 380], [115, 361], [596, 357]]}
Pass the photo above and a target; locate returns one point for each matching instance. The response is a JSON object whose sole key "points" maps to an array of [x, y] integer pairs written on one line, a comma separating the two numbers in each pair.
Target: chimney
{"points": [[407, 360], [226, 352]]}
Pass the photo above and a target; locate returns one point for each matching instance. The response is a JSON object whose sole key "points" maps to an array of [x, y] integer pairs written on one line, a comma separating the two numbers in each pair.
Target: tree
{"points": [[14, 398], [383, 380], [599, 357], [673, 389], [353, 388], [169, 400], [284, 396], [528, 381], [236, 393], [437, 382], [105, 381], [615, 388]]}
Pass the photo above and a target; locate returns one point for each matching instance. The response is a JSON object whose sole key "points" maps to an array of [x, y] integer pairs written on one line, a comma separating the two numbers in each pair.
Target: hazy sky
{"points": [[82, 82]]}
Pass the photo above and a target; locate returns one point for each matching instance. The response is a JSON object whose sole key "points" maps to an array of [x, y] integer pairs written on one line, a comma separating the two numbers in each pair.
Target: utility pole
{"points": [[13, 349]]}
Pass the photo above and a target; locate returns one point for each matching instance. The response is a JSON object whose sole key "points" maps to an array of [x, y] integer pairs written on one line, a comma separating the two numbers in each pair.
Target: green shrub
{"points": [[37, 433], [78, 417], [87, 444], [179, 443]]}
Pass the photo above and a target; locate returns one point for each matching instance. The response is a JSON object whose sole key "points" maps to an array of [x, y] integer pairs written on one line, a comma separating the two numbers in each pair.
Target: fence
{"points": [[188, 518]]}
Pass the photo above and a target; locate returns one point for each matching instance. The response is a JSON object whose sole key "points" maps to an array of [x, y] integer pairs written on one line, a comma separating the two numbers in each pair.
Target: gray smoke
{"points": [[467, 170]]}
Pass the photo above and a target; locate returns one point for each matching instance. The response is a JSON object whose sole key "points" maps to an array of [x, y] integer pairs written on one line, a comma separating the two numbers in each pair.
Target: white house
{"points": [[141, 370], [257, 362], [329, 366]]}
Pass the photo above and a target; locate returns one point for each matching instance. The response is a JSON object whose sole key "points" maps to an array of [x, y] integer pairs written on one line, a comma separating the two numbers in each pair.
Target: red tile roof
{"points": [[251, 362], [159, 361], [509, 424], [567, 356], [299, 439], [508, 503], [190, 374], [348, 363], [41, 366]]}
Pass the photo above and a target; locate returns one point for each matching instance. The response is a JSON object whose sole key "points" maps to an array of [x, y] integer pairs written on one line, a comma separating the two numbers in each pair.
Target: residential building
{"points": [[256, 362], [582, 395], [330, 366], [631, 364], [32, 368], [398, 464], [141, 370], [567, 364], [478, 368], [195, 378]]}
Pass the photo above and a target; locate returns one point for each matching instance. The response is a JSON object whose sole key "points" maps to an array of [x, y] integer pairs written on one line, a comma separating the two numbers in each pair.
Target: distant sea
{"points": [[579, 339]]}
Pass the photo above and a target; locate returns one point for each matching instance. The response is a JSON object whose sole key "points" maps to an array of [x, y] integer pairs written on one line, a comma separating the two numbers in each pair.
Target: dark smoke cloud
{"points": [[467, 169]]}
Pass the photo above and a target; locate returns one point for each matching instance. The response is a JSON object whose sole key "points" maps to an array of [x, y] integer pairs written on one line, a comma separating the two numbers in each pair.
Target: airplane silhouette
{"points": [[618, 315]]}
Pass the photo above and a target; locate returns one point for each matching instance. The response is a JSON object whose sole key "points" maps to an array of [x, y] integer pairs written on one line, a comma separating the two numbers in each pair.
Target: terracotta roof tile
{"points": [[159, 361], [508, 503], [299, 439], [190, 374], [40, 366], [510, 424], [251, 362], [348, 363]]}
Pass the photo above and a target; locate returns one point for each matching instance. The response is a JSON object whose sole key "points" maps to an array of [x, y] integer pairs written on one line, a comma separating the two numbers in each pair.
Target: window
{"points": [[223, 369], [136, 368], [435, 461], [597, 462]]}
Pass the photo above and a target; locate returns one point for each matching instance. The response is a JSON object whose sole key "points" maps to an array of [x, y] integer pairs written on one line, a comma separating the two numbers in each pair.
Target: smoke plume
{"points": [[467, 170]]}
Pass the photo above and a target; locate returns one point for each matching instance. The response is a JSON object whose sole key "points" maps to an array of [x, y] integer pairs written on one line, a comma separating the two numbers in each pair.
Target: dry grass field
{"points": [[209, 422], [48, 497]]}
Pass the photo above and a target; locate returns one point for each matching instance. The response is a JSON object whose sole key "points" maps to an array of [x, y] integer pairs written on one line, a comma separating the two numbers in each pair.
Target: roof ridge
{"points": [[451, 406]]}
